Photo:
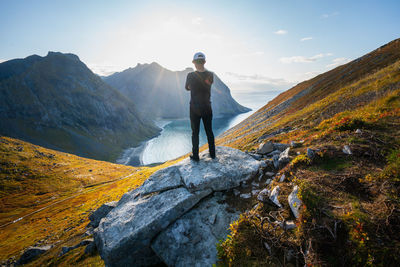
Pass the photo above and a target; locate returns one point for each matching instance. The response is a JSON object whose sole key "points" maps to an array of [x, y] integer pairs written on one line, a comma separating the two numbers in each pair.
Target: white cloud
{"points": [[281, 32], [306, 39], [104, 69], [197, 20], [256, 79], [303, 59], [338, 61], [328, 15]]}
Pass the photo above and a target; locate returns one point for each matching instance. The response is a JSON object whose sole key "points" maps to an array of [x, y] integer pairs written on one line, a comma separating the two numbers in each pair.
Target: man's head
{"points": [[199, 59]]}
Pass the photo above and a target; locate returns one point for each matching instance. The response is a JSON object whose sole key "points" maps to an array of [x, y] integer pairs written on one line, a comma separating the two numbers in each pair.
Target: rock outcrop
{"points": [[178, 215]]}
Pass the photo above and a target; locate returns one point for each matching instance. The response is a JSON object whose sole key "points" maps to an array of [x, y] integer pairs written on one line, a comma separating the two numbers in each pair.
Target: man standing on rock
{"points": [[199, 84]]}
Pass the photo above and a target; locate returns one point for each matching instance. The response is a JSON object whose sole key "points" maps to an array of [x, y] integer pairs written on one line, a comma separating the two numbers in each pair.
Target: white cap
{"points": [[199, 55]]}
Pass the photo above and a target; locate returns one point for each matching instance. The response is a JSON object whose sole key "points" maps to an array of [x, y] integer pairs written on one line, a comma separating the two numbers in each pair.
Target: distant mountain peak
{"points": [[59, 54]]}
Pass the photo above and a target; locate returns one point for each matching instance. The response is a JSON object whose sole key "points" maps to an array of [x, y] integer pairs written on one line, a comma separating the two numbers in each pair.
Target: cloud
{"points": [[306, 39], [104, 69], [256, 79], [303, 59], [281, 32], [197, 20], [338, 61], [329, 15]]}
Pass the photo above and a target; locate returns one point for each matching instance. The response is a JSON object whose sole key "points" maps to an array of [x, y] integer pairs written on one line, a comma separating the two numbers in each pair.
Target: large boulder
{"points": [[191, 240], [123, 236], [174, 196], [228, 170]]}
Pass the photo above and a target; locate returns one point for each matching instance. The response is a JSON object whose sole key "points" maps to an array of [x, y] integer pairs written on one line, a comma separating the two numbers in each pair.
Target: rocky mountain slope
{"points": [[160, 93], [57, 102], [326, 191]]}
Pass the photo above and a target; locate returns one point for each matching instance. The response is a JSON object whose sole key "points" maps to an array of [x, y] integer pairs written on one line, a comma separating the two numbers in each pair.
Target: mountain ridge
{"points": [[56, 101], [160, 92]]}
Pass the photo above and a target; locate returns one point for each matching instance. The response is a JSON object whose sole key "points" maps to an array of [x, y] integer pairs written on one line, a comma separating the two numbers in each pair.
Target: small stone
{"points": [[260, 177], [294, 202], [268, 181], [282, 178], [358, 131], [265, 148], [347, 150], [245, 196], [310, 153], [255, 192], [31, 253], [298, 153], [294, 144], [270, 174], [280, 147], [255, 184], [263, 195], [274, 196]]}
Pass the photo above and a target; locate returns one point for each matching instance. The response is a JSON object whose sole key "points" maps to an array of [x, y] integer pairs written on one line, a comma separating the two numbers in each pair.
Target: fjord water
{"points": [[175, 137]]}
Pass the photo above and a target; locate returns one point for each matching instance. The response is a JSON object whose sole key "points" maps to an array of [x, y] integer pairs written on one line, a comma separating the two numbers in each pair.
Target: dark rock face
{"points": [[175, 217], [160, 93], [31, 253], [100, 213], [57, 102]]}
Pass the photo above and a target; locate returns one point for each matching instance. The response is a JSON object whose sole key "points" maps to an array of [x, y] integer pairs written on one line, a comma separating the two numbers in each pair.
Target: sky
{"points": [[251, 45]]}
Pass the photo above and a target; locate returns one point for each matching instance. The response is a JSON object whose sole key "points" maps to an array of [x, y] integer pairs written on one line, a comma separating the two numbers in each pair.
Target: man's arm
{"points": [[187, 84]]}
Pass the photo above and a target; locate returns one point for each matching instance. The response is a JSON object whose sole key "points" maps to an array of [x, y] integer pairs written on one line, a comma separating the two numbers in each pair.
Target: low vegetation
{"points": [[351, 205]]}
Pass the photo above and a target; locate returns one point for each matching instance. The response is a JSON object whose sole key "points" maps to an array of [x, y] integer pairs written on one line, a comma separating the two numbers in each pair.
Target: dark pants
{"points": [[195, 124]]}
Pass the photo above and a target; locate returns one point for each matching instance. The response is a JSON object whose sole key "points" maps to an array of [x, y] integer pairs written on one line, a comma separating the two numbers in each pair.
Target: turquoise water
{"points": [[175, 137]]}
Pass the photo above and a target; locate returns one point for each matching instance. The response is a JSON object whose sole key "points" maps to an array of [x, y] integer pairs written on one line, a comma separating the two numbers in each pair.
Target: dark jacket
{"points": [[199, 85]]}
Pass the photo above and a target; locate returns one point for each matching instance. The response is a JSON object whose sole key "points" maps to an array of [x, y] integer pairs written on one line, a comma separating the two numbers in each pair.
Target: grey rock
{"points": [[268, 181], [245, 196], [294, 144], [265, 148], [263, 195], [275, 152], [228, 170], [286, 225], [270, 174], [161, 180], [358, 131], [31, 253], [347, 150], [254, 184], [284, 157], [294, 201], [190, 240], [255, 156], [280, 147], [274, 196], [310, 153], [275, 159], [255, 192], [123, 236], [282, 178], [100, 213]]}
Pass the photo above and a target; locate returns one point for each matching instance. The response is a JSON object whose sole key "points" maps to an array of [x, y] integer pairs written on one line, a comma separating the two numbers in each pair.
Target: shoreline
{"points": [[133, 156]]}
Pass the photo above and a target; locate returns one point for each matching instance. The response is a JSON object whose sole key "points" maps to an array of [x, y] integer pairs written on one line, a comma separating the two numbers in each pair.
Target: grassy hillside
{"points": [[351, 211], [66, 187]]}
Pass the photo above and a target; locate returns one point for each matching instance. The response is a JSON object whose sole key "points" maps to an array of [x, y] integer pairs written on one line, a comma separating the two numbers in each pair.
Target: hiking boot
{"points": [[195, 158]]}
